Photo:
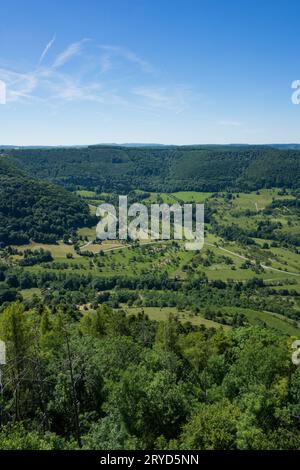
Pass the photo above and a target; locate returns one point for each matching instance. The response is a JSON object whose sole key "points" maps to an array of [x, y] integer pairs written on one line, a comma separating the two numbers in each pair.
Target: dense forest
{"points": [[122, 169], [108, 381], [37, 211]]}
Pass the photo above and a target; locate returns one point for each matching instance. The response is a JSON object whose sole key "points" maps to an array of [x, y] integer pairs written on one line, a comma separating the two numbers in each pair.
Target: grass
{"points": [[87, 232], [85, 193], [58, 251], [179, 196], [28, 294], [192, 196], [162, 314], [233, 211], [163, 257], [258, 200], [272, 320], [166, 198], [93, 209], [106, 245]]}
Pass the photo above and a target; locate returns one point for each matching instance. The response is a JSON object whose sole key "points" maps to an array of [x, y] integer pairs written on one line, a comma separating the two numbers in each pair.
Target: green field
{"points": [[180, 196], [86, 194], [28, 294], [162, 314], [192, 196], [58, 251], [272, 320], [220, 259]]}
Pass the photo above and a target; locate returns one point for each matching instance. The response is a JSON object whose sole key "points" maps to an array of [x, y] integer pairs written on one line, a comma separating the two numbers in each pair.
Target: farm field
{"points": [[222, 264], [162, 314], [59, 251], [180, 196]]}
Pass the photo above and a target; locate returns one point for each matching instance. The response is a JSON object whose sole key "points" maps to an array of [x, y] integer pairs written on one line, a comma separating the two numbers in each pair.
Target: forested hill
{"points": [[33, 210], [207, 168]]}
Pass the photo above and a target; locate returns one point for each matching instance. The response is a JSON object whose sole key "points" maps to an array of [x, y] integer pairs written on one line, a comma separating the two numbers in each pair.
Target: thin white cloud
{"points": [[46, 49], [105, 63], [71, 51], [68, 89], [230, 123], [19, 86], [128, 55], [54, 85], [174, 98]]}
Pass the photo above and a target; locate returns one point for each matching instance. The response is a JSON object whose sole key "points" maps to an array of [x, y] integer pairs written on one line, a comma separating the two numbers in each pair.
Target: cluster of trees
{"points": [[32, 257], [107, 381], [265, 229], [232, 319], [34, 210], [59, 286], [233, 233], [161, 169]]}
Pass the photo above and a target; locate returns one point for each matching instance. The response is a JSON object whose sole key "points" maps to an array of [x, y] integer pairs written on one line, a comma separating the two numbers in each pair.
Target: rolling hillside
{"points": [[207, 168], [34, 210]]}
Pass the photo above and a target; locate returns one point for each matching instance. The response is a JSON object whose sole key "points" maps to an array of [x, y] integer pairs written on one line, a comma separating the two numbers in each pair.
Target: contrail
{"points": [[48, 46]]}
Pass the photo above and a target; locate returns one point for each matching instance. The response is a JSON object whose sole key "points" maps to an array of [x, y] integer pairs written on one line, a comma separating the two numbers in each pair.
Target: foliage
{"points": [[200, 168], [34, 210], [93, 384]]}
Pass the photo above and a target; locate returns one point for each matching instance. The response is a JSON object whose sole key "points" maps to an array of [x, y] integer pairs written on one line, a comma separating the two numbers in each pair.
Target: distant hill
{"points": [[202, 168], [34, 210], [285, 146]]}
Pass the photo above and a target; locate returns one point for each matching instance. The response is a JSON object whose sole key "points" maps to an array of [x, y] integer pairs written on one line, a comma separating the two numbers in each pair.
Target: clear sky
{"points": [[160, 71]]}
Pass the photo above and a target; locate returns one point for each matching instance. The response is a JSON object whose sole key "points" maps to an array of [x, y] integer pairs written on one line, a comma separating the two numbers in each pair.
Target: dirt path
{"points": [[86, 245], [245, 258], [253, 262]]}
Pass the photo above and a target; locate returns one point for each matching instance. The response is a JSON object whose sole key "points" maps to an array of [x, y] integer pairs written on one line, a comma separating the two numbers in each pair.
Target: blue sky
{"points": [[179, 72]]}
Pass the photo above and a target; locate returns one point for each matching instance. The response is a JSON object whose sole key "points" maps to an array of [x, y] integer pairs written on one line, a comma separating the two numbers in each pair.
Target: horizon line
{"points": [[147, 144]]}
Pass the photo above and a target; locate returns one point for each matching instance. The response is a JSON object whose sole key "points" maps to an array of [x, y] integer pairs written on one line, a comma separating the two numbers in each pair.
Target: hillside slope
{"points": [[33, 210], [207, 168]]}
